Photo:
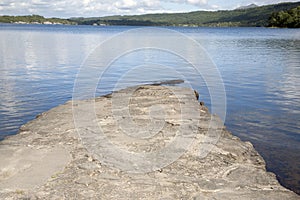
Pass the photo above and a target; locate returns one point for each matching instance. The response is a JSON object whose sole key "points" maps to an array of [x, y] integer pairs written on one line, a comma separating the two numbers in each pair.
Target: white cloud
{"points": [[126, 4], [197, 2], [191, 2], [78, 7]]}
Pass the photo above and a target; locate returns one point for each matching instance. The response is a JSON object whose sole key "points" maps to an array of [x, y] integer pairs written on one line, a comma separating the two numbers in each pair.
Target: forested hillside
{"points": [[287, 19], [256, 16], [279, 15], [33, 19]]}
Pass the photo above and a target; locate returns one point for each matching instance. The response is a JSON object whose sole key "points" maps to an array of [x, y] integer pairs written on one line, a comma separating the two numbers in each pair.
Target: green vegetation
{"points": [[281, 15], [287, 19], [33, 19], [252, 16]]}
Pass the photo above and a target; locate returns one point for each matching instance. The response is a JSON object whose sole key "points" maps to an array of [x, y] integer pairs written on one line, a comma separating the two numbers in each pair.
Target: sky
{"points": [[95, 8]]}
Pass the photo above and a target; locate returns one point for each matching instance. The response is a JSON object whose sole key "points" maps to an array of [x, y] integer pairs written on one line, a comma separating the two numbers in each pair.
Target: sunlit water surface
{"points": [[260, 69]]}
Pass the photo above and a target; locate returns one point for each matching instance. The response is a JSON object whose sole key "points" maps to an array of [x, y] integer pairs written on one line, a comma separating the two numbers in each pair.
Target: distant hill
{"points": [[247, 16], [33, 19], [250, 17], [247, 7]]}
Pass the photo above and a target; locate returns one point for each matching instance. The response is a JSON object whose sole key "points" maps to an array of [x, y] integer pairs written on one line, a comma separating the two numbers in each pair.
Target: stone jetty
{"points": [[160, 143]]}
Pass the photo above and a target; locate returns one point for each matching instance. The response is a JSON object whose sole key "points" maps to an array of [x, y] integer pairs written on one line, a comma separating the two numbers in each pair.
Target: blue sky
{"points": [[88, 8]]}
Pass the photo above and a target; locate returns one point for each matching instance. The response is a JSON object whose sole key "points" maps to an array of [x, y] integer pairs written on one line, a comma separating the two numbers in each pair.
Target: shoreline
{"points": [[158, 26]]}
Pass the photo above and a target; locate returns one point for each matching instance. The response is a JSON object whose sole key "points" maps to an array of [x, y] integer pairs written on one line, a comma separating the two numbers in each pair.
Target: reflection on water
{"points": [[38, 68], [260, 68]]}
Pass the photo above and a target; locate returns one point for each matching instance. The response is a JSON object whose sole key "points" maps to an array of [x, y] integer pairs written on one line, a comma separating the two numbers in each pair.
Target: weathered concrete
{"points": [[47, 160]]}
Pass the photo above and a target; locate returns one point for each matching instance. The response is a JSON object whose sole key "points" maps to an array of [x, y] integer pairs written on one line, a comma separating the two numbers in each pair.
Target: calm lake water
{"points": [[260, 68]]}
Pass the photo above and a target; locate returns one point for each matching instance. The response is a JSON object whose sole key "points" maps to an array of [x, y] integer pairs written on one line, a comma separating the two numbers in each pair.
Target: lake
{"points": [[260, 69]]}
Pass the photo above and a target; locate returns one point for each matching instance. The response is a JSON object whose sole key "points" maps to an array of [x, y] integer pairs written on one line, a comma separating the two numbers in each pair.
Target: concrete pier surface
{"points": [[143, 142]]}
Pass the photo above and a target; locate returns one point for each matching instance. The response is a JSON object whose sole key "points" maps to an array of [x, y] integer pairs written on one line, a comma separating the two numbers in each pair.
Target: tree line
{"points": [[286, 19], [249, 17], [277, 15], [33, 19]]}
